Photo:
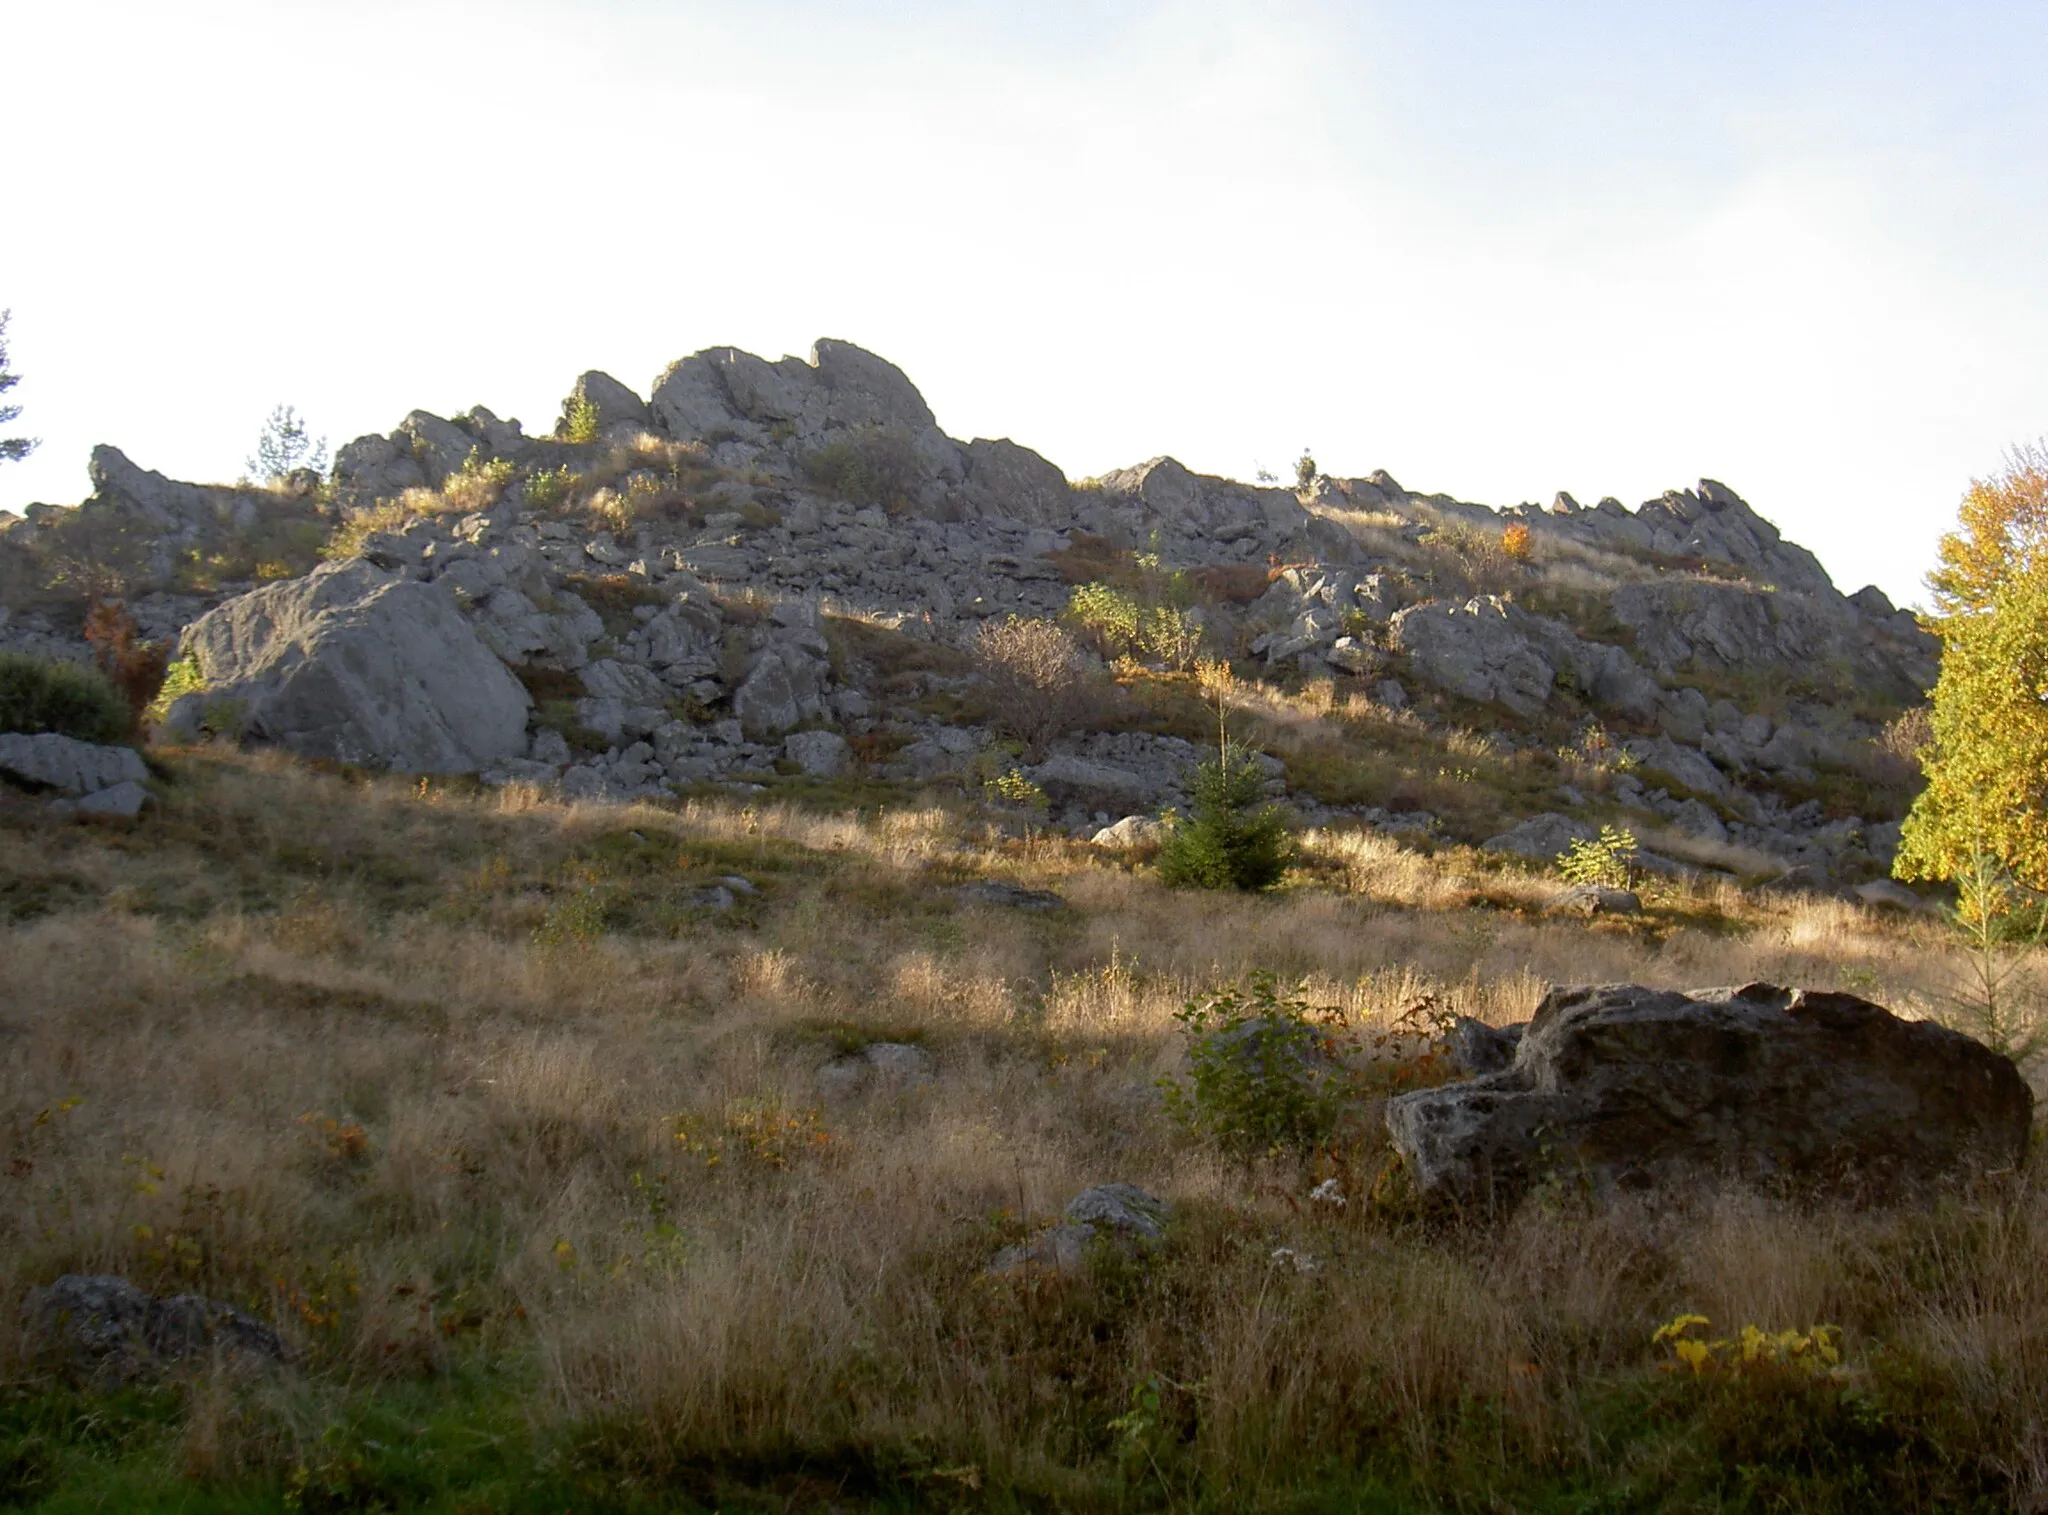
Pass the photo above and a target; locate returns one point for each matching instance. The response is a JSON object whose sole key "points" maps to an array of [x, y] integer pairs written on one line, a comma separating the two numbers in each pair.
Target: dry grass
{"points": [[439, 1078]]}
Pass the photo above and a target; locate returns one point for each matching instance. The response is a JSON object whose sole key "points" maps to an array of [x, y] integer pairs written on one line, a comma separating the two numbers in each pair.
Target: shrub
{"points": [[1038, 682], [136, 668], [1265, 1074], [875, 465], [1123, 625], [548, 488], [1608, 859], [1305, 470], [579, 421], [1232, 840], [1109, 615], [476, 485], [38, 695]]}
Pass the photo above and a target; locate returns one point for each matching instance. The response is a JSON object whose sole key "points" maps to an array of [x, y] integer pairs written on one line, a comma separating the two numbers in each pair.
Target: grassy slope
{"points": [[524, 1150]]}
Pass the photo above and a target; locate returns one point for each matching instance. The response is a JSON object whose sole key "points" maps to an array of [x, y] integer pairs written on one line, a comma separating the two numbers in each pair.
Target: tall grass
{"points": [[597, 1167]]}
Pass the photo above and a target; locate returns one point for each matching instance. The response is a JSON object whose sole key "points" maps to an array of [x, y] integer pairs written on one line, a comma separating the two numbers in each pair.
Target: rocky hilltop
{"points": [[764, 571]]}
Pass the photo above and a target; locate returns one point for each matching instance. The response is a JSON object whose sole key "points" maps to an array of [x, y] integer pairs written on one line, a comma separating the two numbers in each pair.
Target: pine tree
{"points": [[285, 447], [12, 449]]}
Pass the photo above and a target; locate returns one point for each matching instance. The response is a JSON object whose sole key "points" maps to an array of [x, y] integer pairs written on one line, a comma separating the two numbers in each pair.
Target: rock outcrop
{"points": [[357, 665], [1618, 1087], [668, 573]]}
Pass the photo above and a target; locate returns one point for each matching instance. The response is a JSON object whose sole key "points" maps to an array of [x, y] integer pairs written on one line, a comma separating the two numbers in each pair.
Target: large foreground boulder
{"points": [[358, 665], [1618, 1087]]}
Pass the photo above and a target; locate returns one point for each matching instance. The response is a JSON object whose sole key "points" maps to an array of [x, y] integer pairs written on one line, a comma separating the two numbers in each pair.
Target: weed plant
{"points": [[41, 695]]}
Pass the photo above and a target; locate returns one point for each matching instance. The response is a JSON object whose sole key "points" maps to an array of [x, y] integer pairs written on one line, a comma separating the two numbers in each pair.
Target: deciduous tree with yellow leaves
{"points": [[1987, 771]]}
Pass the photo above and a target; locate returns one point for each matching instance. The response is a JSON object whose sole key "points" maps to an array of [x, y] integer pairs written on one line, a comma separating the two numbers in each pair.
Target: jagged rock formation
{"points": [[1619, 1087], [668, 589]]}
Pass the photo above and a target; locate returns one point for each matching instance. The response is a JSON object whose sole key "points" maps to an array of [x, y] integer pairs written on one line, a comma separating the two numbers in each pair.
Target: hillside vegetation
{"points": [[639, 968], [527, 1145]]}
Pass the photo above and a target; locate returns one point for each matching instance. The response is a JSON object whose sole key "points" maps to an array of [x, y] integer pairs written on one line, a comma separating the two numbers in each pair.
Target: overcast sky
{"points": [[1499, 249]]}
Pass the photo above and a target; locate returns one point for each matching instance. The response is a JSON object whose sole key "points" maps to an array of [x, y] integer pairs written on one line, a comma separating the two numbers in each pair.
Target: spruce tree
{"points": [[1231, 840]]}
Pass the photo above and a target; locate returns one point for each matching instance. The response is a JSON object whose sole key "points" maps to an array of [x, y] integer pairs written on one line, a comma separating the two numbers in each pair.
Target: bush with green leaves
{"points": [[1152, 627], [1267, 1073], [548, 488], [873, 465], [39, 695], [1608, 860], [1232, 839], [579, 424]]}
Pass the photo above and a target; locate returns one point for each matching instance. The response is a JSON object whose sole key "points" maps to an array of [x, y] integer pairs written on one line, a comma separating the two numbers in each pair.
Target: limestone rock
{"points": [[1541, 837], [820, 754], [1123, 1208], [1122, 1215], [120, 802], [780, 691], [1065, 777], [1476, 651], [1009, 896], [1014, 483], [107, 1326], [1133, 832], [1479, 1049], [54, 761], [890, 1066], [1885, 894], [1621, 1087], [1594, 899], [615, 404], [356, 665]]}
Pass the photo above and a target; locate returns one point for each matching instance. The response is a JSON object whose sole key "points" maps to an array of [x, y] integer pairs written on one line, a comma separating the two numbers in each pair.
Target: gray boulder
{"points": [[1594, 899], [1065, 778], [1476, 1048], [1014, 483], [357, 665], [781, 690], [820, 754], [119, 802], [1477, 651], [112, 1330], [615, 404], [1132, 832], [1619, 1087], [888, 1066], [1541, 837], [991, 891], [1886, 894], [1121, 1215], [52, 761]]}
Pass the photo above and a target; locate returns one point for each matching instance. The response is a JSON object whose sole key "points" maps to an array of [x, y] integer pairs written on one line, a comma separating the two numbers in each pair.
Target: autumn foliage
{"points": [[135, 667], [1985, 795]]}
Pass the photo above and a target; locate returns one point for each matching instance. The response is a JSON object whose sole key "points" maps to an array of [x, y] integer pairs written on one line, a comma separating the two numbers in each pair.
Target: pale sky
{"points": [[1499, 249]]}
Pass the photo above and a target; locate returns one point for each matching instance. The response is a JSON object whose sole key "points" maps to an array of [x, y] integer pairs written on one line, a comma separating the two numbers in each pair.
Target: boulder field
{"points": [[643, 600]]}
